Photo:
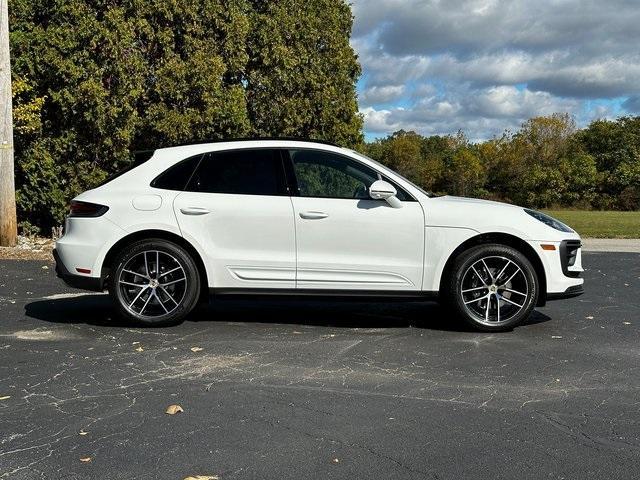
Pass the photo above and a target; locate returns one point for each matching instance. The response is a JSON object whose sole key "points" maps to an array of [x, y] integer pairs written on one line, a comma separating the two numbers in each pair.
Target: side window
{"points": [[246, 172], [326, 174], [177, 176]]}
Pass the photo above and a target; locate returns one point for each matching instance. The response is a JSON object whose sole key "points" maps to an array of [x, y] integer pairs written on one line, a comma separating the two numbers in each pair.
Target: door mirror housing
{"points": [[381, 190]]}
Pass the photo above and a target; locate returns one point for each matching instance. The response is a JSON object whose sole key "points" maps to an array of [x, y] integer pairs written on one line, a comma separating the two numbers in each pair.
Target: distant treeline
{"points": [[547, 163]]}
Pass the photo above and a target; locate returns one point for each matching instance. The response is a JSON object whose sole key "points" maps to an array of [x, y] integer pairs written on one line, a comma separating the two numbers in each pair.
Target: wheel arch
{"points": [[502, 239], [165, 235]]}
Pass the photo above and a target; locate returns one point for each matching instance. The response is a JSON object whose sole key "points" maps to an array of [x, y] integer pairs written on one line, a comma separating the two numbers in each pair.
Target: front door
{"points": [[238, 210], [346, 240]]}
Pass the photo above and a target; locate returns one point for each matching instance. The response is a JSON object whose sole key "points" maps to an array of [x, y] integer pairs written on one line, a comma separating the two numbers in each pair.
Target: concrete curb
{"points": [[629, 245]]}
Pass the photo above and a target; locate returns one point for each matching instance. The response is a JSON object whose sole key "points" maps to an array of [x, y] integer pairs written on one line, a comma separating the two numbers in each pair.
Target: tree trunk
{"points": [[8, 226]]}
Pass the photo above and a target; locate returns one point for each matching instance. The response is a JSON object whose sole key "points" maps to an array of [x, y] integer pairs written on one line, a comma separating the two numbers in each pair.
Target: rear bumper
{"points": [[94, 284]]}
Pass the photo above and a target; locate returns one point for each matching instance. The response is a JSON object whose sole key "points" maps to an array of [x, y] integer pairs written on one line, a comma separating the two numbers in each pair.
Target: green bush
{"points": [[96, 80]]}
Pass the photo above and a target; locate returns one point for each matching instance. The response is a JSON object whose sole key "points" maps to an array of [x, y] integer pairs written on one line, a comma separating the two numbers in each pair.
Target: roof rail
{"points": [[247, 139]]}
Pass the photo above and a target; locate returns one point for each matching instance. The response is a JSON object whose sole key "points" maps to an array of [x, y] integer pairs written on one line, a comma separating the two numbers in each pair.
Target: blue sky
{"points": [[486, 66]]}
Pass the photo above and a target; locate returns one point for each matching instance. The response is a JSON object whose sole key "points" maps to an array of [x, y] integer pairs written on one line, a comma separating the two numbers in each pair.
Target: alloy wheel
{"points": [[494, 289], [152, 283]]}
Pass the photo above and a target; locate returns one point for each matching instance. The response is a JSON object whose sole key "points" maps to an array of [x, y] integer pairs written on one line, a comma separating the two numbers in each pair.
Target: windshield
{"points": [[388, 170]]}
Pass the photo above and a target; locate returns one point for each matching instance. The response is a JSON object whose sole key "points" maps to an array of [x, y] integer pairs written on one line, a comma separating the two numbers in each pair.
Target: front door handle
{"points": [[194, 211], [313, 215]]}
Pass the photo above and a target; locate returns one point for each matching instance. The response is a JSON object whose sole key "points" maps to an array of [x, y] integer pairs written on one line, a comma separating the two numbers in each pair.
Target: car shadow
{"points": [[97, 310]]}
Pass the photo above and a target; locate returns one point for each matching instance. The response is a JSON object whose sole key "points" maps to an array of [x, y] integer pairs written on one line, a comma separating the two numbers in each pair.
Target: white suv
{"points": [[302, 217]]}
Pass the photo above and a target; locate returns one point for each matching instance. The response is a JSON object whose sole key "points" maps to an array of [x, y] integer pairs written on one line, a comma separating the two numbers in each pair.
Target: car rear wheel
{"points": [[154, 283], [492, 287]]}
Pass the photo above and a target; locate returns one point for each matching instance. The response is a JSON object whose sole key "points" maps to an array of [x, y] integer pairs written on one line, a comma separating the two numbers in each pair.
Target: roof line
{"points": [[246, 139]]}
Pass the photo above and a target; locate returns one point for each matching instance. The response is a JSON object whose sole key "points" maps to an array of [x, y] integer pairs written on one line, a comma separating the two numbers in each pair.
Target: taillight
{"points": [[86, 209]]}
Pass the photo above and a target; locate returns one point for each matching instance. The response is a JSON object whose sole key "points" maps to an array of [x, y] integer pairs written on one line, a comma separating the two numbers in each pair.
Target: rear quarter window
{"points": [[177, 176]]}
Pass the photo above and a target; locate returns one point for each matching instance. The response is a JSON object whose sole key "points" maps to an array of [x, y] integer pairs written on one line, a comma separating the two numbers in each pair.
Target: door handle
{"points": [[194, 211], [313, 215]]}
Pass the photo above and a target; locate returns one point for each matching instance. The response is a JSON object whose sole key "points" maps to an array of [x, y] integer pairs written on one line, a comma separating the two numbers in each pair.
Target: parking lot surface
{"points": [[293, 388]]}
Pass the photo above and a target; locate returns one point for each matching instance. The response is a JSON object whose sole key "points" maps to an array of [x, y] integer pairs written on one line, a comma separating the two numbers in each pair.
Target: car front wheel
{"points": [[154, 283], [492, 287]]}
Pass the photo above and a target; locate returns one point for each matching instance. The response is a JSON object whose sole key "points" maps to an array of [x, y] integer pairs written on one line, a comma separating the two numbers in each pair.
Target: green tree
{"points": [[462, 173], [542, 152], [108, 77], [417, 158], [302, 71], [615, 146]]}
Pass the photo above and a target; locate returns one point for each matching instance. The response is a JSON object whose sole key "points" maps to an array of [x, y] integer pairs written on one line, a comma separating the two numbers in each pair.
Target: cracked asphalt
{"points": [[293, 389]]}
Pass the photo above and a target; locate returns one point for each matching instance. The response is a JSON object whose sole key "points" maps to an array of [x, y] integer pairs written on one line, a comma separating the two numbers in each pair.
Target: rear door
{"points": [[238, 209]]}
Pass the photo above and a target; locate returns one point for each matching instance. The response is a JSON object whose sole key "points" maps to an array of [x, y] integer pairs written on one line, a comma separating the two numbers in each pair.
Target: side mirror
{"points": [[381, 190]]}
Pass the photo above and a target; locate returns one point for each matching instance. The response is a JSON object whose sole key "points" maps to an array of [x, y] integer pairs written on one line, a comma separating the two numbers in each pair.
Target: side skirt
{"points": [[384, 295]]}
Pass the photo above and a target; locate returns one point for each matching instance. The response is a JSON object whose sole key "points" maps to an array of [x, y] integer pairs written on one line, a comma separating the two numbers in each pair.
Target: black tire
{"points": [[479, 298], [163, 297]]}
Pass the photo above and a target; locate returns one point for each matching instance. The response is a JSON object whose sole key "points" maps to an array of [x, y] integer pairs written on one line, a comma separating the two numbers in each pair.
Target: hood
{"points": [[485, 216], [451, 200]]}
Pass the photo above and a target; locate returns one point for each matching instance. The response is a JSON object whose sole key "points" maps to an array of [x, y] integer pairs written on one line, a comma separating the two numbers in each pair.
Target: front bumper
{"points": [[570, 292], [562, 267], [94, 284]]}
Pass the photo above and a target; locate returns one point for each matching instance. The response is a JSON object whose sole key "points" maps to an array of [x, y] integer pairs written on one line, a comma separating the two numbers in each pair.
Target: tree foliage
{"points": [[547, 162], [95, 80], [301, 71]]}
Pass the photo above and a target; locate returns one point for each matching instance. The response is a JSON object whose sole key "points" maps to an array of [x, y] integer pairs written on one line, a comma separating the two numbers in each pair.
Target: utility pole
{"points": [[8, 222]]}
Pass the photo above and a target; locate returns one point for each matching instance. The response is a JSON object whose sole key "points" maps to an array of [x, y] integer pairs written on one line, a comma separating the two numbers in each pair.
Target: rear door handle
{"points": [[313, 215], [194, 211]]}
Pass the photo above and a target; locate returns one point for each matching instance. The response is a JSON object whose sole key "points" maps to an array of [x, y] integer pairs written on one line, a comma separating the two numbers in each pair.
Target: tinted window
{"points": [[248, 172], [326, 174], [177, 176]]}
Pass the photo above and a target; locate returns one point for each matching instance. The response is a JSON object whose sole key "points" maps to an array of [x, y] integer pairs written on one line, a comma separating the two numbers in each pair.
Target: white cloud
{"points": [[485, 65], [480, 113], [381, 94]]}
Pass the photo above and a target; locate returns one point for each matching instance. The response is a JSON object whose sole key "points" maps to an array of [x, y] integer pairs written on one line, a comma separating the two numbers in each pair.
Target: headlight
{"points": [[547, 220]]}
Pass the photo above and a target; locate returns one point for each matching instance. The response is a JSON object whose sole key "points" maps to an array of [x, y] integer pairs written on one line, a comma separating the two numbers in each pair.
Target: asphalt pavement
{"points": [[296, 389]]}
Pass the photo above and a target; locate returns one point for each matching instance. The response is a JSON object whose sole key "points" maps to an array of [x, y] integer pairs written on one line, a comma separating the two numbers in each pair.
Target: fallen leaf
{"points": [[139, 349], [173, 409], [196, 349], [5, 397], [85, 459], [202, 477]]}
